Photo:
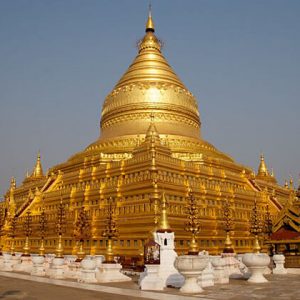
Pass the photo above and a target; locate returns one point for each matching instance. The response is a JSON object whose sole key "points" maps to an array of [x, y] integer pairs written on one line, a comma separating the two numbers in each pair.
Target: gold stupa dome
{"points": [[151, 92], [150, 86]]}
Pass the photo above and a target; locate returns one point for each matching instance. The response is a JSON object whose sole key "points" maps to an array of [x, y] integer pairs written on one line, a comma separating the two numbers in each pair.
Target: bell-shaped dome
{"points": [[150, 87]]}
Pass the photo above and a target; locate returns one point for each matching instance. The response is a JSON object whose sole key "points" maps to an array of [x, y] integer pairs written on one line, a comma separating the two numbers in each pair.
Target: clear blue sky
{"points": [[59, 59]]}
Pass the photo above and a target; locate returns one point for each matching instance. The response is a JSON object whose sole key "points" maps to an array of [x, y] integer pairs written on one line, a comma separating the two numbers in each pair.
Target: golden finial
{"points": [[291, 183], [28, 231], [150, 24], [163, 222], [61, 197], [272, 173], [152, 117], [286, 185], [13, 183], [38, 170], [152, 130], [262, 169], [298, 191]]}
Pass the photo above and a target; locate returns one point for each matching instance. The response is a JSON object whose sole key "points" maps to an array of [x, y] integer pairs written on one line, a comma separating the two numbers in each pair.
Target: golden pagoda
{"points": [[150, 144]]}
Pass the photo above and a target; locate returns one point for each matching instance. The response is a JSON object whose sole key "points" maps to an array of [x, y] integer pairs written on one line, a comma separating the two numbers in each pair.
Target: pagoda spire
{"points": [[13, 183], [163, 222], [291, 183], [152, 132], [38, 170], [150, 23], [298, 191], [286, 185], [262, 169]]}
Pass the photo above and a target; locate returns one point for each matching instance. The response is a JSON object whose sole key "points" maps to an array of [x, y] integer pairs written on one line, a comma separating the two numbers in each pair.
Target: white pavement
{"points": [[102, 288]]}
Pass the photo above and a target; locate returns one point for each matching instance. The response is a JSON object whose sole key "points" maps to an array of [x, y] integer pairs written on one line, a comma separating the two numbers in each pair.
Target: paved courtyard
{"points": [[21, 286]]}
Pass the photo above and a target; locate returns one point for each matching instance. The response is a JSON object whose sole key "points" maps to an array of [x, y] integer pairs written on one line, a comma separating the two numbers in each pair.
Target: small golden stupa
{"points": [[150, 141]]}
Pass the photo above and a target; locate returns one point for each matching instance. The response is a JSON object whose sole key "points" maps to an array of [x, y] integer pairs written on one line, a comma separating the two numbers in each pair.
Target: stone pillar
{"points": [[279, 260], [191, 267], [110, 272], [57, 268], [151, 280], [256, 263], [7, 262], [72, 270], [207, 277], [87, 272], [99, 259], [38, 268], [48, 262], [220, 276], [23, 264], [167, 272], [1, 261], [234, 266]]}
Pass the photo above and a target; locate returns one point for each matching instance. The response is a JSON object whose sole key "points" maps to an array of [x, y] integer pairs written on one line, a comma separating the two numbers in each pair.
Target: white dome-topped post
{"points": [[82, 231], [109, 270], [165, 236], [229, 257], [159, 254], [38, 268], [192, 265], [256, 262], [88, 270], [7, 262], [25, 262], [279, 260], [57, 267], [150, 279]]}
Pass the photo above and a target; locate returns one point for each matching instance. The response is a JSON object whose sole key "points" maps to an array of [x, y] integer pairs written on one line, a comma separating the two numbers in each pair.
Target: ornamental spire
{"points": [[262, 169], [38, 170], [163, 222], [298, 191], [152, 132], [13, 183], [150, 24]]}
